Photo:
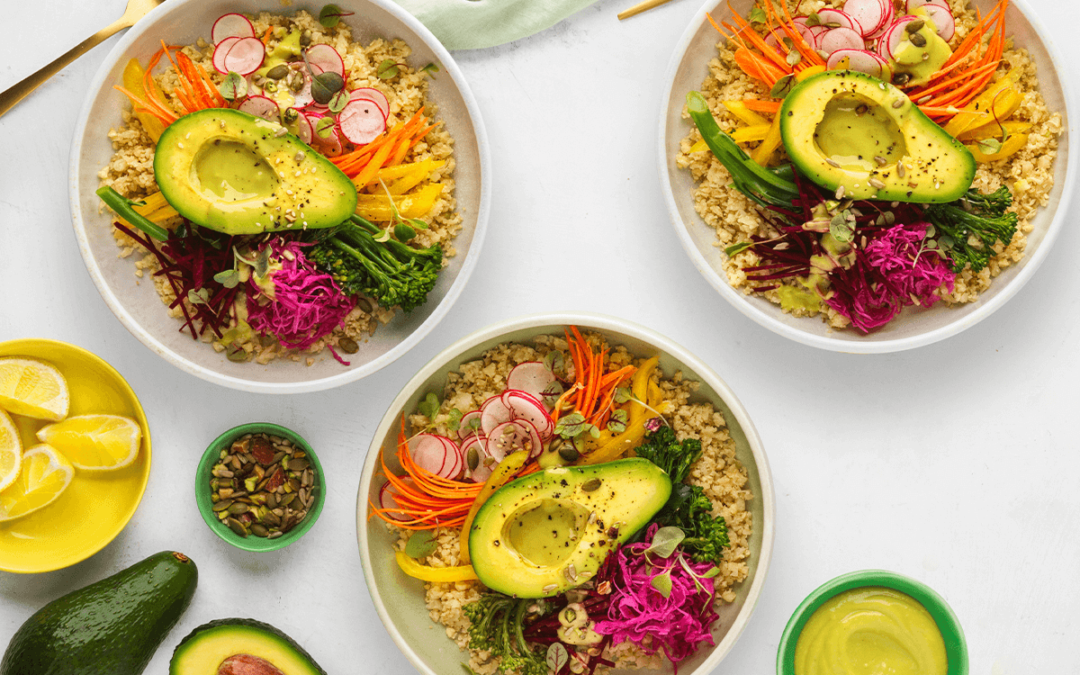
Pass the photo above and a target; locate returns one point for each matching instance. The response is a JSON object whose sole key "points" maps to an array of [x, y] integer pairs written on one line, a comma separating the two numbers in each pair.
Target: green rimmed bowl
{"points": [[947, 623], [202, 488]]}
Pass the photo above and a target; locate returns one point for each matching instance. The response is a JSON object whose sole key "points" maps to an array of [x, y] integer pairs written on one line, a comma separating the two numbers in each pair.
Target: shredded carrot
{"points": [[387, 150], [593, 392], [267, 34]]}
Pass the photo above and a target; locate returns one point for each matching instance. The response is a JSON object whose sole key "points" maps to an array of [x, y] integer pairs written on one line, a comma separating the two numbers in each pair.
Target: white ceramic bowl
{"points": [[913, 328], [399, 599], [137, 305]]}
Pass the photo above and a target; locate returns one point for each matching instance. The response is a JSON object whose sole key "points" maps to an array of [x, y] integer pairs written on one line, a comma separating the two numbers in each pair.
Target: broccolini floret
{"points": [[497, 626], [973, 225]]}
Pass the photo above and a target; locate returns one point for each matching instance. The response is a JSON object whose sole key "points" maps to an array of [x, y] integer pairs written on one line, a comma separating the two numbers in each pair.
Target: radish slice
{"points": [[867, 13], [943, 20], [859, 60], [458, 464], [511, 437], [245, 56], [261, 106], [525, 407], [912, 5], [373, 95], [435, 455], [893, 34], [841, 38], [221, 51], [888, 13], [532, 377], [835, 18], [464, 425], [386, 501], [478, 464], [493, 412], [324, 58], [231, 25], [361, 121], [302, 127]]}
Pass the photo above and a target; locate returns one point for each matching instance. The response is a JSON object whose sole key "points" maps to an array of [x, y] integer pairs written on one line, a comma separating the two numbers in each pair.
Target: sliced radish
{"points": [[302, 98], [493, 412], [912, 5], [436, 454], [511, 437], [532, 377], [324, 58], [454, 469], [245, 56], [943, 20], [892, 37], [867, 13], [373, 95], [361, 121], [231, 25], [836, 18], [221, 51], [859, 60], [464, 424], [302, 127], [888, 13], [841, 38], [386, 500], [474, 454], [261, 106], [815, 33], [524, 406]]}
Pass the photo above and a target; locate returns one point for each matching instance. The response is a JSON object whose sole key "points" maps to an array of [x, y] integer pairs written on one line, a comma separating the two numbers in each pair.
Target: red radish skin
{"points": [[387, 501], [261, 106], [835, 18], [361, 121], [532, 377], [231, 25], [859, 60], [841, 38], [324, 58], [245, 56], [455, 469], [525, 407], [868, 13], [493, 412], [432, 454], [511, 437], [912, 5], [887, 15], [221, 51], [943, 20], [373, 95]]}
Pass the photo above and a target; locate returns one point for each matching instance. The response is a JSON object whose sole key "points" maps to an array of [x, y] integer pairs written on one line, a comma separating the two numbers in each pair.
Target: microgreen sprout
{"points": [[330, 15], [233, 87]]}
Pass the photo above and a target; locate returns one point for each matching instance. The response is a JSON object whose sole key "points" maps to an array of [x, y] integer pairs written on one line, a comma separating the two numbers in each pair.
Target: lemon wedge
{"points": [[95, 442], [10, 451], [33, 388], [44, 476]]}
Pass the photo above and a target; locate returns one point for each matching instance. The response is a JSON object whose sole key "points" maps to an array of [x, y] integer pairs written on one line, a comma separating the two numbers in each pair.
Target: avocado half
{"points": [[240, 647], [847, 129], [550, 531], [236, 173]]}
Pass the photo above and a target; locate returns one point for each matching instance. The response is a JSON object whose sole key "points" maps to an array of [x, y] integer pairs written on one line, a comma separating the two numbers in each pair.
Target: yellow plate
{"points": [[96, 506]]}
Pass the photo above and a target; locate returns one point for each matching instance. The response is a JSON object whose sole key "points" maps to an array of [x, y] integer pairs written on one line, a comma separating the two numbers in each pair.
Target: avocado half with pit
{"points": [[845, 129], [548, 532], [237, 173], [240, 647]]}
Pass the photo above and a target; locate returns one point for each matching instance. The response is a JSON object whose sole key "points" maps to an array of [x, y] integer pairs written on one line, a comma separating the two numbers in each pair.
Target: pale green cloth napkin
{"points": [[473, 24]]}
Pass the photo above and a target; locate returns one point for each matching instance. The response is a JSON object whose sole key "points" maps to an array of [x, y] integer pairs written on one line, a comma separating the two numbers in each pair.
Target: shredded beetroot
{"points": [[307, 304], [677, 624]]}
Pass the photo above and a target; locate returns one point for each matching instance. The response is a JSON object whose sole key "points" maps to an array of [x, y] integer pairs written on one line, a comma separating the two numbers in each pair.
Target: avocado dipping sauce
{"points": [[854, 130], [230, 171], [871, 631]]}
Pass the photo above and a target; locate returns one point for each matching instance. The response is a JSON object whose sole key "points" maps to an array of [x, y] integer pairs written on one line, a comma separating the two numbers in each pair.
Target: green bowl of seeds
{"points": [[259, 486]]}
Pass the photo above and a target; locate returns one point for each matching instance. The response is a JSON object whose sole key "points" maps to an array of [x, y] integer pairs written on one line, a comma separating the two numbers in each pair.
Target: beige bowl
{"points": [[138, 306], [912, 328], [399, 599]]}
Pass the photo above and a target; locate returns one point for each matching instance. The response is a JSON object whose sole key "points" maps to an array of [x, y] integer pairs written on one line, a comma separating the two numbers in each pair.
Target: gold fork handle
{"points": [[20, 90]]}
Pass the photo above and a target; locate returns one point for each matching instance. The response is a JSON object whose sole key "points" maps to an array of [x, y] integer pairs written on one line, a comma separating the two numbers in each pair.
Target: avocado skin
{"points": [[112, 627], [216, 628]]}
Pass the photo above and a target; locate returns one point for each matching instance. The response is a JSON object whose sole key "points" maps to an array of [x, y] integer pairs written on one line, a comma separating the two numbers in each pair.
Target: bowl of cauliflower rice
{"points": [[823, 232], [279, 197], [565, 493]]}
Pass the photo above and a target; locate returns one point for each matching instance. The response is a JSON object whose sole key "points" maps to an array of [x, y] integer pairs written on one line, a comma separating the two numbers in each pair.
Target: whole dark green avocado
{"points": [[112, 627]]}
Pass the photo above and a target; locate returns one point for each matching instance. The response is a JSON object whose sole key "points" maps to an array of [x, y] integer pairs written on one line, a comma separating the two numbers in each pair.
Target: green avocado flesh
{"points": [[113, 626], [548, 532], [846, 129], [240, 647], [239, 174]]}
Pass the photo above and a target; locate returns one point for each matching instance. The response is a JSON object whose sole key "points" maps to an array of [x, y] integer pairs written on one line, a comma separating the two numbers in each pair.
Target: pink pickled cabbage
{"points": [[637, 612], [307, 304]]}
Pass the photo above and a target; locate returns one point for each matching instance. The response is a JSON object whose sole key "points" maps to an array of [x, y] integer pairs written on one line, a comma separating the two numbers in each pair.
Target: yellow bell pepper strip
{"points": [[1011, 145], [409, 180], [994, 131], [439, 574], [744, 114], [370, 172], [133, 82], [503, 474], [700, 146], [635, 427], [763, 153], [413, 205], [988, 105], [814, 70], [156, 208]]}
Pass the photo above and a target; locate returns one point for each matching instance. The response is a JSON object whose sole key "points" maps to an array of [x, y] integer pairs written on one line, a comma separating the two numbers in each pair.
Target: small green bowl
{"points": [[202, 488], [947, 623]]}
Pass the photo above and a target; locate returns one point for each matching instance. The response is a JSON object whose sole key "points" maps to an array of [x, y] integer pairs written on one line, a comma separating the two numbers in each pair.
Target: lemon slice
{"points": [[33, 388], [95, 442], [44, 476], [10, 451]]}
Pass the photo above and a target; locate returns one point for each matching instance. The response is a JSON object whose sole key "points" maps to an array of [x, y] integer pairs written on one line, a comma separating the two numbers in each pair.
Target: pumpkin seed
{"points": [[259, 530], [591, 485], [298, 464], [277, 72], [239, 507], [287, 499], [223, 504], [271, 500], [348, 345], [915, 26], [237, 527], [917, 39]]}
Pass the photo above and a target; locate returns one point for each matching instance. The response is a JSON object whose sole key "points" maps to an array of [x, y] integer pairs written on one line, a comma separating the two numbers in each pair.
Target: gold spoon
{"points": [[633, 11], [136, 9]]}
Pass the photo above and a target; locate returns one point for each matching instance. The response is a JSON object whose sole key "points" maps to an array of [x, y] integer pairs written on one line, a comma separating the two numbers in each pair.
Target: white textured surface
{"points": [[956, 463]]}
